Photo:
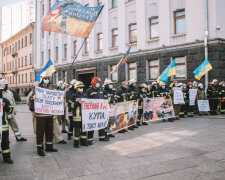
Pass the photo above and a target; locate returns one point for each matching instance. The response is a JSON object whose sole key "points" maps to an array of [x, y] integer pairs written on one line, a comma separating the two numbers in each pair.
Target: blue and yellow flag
{"points": [[168, 72], [71, 18], [49, 67], [202, 69]]}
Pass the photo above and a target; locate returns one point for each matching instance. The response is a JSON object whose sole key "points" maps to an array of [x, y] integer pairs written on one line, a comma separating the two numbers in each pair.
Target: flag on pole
{"points": [[168, 72], [71, 18], [123, 60], [202, 69], [49, 67]]}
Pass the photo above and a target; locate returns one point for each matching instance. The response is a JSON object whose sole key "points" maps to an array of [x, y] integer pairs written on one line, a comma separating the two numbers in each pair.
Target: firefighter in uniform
{"points": [[183, 106], [44, 126], [132, 95], [7, 109], [109, 95], [213, 94], [80, 137], [121, 96], [69, 93], [190, 109], [176, 107], [141, 95], [154, 92], [95, 92], [222, 97], [201, 96], [11, 117]]}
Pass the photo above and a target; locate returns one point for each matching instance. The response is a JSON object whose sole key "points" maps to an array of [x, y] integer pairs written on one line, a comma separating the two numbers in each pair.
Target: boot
{"points": [[90, 142], [76, 144], [107, 137], [83, 142], [21, 139], [122, 131], [51, 150], [103, 139], [131, 128], [111, 135], [135, 126], [8, 160], [139, 123], [145, 123], [62, 142], [41, 153]]}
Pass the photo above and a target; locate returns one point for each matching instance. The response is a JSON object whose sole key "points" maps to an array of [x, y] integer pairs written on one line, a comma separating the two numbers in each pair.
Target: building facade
{"points": [[18, 59], [158, 31]]}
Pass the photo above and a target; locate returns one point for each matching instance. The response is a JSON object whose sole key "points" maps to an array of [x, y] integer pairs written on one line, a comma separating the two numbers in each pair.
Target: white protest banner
{"points": [[48, 101], [95, 114], [178, 97], [192, 96], [1, 114], [203, 105]]}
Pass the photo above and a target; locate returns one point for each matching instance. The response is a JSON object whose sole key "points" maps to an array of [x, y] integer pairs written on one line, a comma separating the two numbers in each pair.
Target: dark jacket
{"points": [[7, 109], [93, 93], [121, 95], [109, 95], [131, 93]]}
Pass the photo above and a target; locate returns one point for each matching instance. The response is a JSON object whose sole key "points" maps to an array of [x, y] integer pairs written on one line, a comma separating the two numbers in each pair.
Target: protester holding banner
{"points": [[109, 95], [69, 93], [201, 96], [189, 105], [44, 121], [222, 97], [11, 117], [141, 95], [183, 106], [178, 98], [154, 92], [95, 92], [213, 95], [5, 108]]}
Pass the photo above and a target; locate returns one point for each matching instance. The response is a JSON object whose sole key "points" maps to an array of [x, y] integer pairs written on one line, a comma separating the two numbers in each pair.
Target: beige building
{"points": [[18, 59]]}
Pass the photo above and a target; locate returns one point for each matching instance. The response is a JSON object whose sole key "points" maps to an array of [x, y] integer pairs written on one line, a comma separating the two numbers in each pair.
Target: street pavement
{"points": [[190, 148]]}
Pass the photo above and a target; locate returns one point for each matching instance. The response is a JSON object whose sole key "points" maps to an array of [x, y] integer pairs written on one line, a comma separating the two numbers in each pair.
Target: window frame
{"points": [[74, 48], [99, 41], [113, 4], [113, 36], [131, 68], [65, 51], [179, 17], [152, 24], [110, 70], [149, 67], [56, 53], [179, 64], [86, 50], [131, 31]]}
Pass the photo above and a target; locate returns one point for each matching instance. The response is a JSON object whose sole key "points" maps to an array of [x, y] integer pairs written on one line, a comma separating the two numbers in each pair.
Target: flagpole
{"points": [[75, 58]]}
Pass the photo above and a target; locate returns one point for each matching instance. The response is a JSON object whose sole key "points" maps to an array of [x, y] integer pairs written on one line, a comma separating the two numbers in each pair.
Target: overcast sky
{"points": [[7, 2]]}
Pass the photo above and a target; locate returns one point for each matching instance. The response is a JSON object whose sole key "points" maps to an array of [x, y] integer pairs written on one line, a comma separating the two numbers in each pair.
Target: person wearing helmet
{"points": [[121, 96], [154, 92], [80, 137], [132, 95], [222, 97], [109, 95], [7, 109], [176, 107], [69, 93], [201, 96], [11, 117], [140, 96], [44, 126], [95, 92], [62, 118], [213, 96], [183, 106], [189, 108]]}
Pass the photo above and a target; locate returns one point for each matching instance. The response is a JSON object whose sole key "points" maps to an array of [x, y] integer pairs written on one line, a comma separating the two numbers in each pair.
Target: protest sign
{"points": [[1, 114], [122, 116], [178, 97], [157, 109], [203, 105], [95, 114], [48, 101], [192, 96]]}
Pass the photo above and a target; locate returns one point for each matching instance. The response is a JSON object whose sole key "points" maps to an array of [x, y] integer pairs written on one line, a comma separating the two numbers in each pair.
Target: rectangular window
{"points": [[15, 64], [132, 71], [74, 48], [22, 62], [100, 41], [56, 53], [22, 78], [181, 68], [22, 43], [19, 45], [31, 59], [42, 58], [30, 76], [114, 3], [65, 51], [114, 75], [86, 48], [115, 38], [30, 38], [154, 27], [43, 9], [179, 22], [15, 46], [25, 41], [26, 77], [133, 33], [49, 54], [25, 60], [19, 78], [153, 69], [18, 62]]}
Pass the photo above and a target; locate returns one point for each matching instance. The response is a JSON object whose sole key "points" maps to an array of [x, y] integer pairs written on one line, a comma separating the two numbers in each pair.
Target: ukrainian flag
{"points": [[168, 72], [202, 69], [49, 67]]}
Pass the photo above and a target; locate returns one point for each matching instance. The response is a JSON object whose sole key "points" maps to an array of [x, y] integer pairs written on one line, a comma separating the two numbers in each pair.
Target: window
{"points": [[18, 62], [114, 3], [22, 62], [13, 65], [19, 45], [19, 78], [100, 41], [42, 58], [181, 68], [30, 38], [15, 46], [22, 78], [99, 2], [25, 60], [132, 71], [154, 27], [25, 41], [65, 51], [115, 38], [22, 43], [74, 48], [86, 48], [43, 9], [31, 59], [114, 75], [30, 76], [179, 22], [133, 33], [49, 54], [25, 77], [56, 53], [153, 69]]}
